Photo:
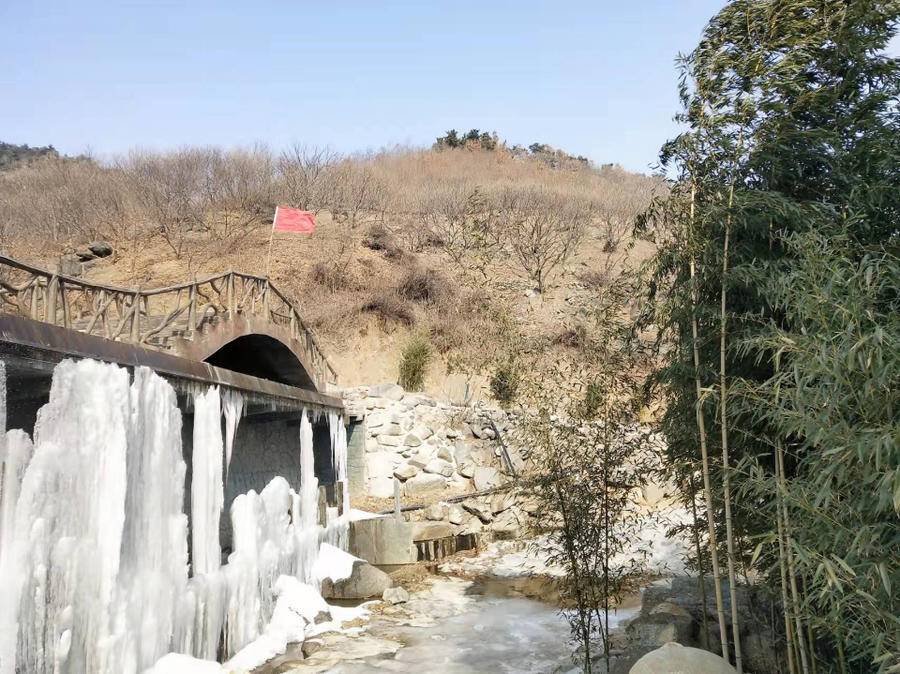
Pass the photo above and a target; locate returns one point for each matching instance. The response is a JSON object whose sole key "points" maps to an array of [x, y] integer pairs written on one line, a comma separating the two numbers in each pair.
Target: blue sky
{"points": [[595, 78]]}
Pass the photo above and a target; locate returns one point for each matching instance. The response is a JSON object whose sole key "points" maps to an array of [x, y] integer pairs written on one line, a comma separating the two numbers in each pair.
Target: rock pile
{"points": [[431, 446]]}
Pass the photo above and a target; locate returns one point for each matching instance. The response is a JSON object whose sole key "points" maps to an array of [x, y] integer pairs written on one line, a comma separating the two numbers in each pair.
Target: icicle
{"points": [[309, 484], [68, 526], [338, 433], [207, 487], [232, 406]]}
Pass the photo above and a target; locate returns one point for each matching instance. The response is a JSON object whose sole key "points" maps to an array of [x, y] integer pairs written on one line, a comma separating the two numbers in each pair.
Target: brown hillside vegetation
{"points": [[487, 254]]}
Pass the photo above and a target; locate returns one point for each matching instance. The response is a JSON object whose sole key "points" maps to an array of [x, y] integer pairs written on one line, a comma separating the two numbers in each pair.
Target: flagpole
{"points": [[271, 237]]}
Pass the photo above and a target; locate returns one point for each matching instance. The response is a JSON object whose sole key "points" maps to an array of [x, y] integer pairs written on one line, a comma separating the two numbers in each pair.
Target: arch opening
{"points": [[264, 357]]}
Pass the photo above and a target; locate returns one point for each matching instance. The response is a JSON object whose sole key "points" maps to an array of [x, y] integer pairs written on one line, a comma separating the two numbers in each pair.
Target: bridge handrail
{"points": [[43, 297]]}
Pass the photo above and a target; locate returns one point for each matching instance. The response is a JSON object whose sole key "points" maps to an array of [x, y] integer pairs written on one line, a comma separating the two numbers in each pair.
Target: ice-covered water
{"points": [[94, 567], [477, 633]]}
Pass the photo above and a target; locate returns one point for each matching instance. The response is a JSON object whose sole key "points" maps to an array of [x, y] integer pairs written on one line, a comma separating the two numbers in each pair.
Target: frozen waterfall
{"points": [[95, 573]]}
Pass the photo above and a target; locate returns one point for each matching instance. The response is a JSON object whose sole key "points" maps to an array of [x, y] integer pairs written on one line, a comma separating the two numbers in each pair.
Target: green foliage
{"points": [[472, 138], [414, 361], [593, 398], [505, 381], [793, 140], [11, 154]]}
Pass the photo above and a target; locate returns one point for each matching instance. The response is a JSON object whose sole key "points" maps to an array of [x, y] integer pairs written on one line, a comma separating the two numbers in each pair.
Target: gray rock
{"points": [[445, 454], [420, 459], [429, 531], [390, 440], [70, 265], [393, 428], [665, 622], [502, 501], [439, 467], [673, 658], [85, 255], [311, 646], [412, 440], [482, 432], [405, 471], [100, 248], [480, 511], [461, 451], [436, 512], [395, 595], [365, 581], [456, 514], [422, 431], [467, 470], [389, 391], [424, 483], [486, 477]]}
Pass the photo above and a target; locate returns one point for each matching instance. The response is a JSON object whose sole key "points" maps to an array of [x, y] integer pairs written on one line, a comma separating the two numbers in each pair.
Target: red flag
{"points": [[293, 220]]}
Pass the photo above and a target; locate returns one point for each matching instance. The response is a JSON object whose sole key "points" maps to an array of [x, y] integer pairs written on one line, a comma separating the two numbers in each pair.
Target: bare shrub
{"points": [[332, 277], [542, 229], [424, 285], [575, 337], [390, 308], [594, 279], [380, 238]]}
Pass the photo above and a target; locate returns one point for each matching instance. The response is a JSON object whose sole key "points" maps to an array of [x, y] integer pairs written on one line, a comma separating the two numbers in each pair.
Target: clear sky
{"points": [[592, 77]]}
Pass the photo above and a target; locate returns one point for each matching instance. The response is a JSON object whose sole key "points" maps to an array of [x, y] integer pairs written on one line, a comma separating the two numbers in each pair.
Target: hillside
{"points": [[490, 254]]}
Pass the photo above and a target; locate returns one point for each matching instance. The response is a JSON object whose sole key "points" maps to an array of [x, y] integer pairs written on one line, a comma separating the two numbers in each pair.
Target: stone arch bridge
{"points": [[232, 321]]}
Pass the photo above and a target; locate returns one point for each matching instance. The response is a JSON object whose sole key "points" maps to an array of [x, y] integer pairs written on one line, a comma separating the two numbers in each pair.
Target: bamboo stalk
{"points": [[723, 424], [782, 564], [701, 577], [704, 453]]}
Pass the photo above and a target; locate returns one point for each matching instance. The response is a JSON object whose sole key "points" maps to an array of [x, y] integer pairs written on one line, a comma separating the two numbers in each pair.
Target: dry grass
{"points": [[382, 263]]}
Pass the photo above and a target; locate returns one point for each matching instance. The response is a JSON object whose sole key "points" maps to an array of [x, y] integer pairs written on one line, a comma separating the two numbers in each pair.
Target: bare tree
{"points": [[302, 171], [173, 191], [542, 231]]}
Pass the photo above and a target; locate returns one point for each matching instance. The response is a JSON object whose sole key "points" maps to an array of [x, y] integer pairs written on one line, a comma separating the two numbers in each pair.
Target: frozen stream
{"points": [[452, 628]]}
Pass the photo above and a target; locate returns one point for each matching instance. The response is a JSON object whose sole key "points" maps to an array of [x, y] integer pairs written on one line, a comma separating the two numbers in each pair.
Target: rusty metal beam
{"points": [[23, 333]]}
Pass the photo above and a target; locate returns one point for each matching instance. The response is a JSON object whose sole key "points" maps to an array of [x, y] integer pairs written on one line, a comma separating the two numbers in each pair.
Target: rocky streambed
{"points": [[491, 612]]}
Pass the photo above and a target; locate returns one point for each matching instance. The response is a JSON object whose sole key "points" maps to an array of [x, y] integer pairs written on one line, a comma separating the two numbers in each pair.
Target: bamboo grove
{"points": [[776, 290]]}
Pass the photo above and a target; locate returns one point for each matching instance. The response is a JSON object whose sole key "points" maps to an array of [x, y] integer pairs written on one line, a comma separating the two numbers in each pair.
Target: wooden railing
{"points": [[152, 317]]}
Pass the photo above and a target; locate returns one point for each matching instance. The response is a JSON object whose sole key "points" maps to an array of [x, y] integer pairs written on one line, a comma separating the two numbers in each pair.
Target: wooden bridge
{"points": [[231, 320]]}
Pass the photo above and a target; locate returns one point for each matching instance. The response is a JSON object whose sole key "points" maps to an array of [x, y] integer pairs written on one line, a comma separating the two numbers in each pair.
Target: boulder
{"points": [[405, 471], [381, 487], [439, 467], [85, 255], [389, 391], [472, 526], [480, 511], [456, 515], [429, 531], [389, 440], [506, 526], [424, 483], [70, 265], [422, 432], [365, 581], [392, 428], [421, 458], [436, 512], [445, 454], [100, 248], [461, 451], [673, 658], [412, 440], [502, 501], [665, 622], [311, 646], [486, 477], [467, 470], [395, 595], [483, 432]]}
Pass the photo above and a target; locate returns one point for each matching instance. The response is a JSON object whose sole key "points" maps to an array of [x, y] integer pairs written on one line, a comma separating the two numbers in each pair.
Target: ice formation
{"points": [[95, 572]]}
